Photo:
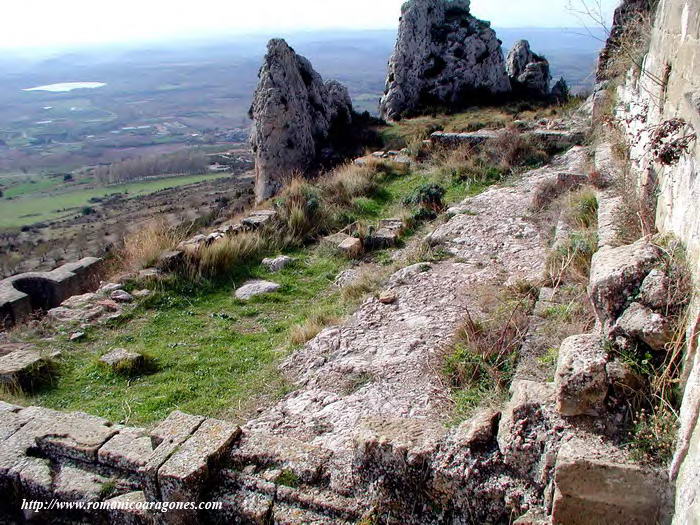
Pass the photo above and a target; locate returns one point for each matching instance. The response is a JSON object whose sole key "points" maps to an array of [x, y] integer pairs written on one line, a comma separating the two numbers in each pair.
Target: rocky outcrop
{"points": [[528, 72], [443, 57], [295, 115]]}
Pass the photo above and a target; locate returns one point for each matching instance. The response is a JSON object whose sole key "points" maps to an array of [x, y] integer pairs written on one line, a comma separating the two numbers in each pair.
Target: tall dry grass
{"points": [[143, 247]]}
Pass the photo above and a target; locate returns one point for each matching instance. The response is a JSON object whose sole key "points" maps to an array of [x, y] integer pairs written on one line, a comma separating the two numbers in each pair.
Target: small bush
{"points": [[484, 355], [428, 196], [571, 260], [302, 211], [581, 209]]}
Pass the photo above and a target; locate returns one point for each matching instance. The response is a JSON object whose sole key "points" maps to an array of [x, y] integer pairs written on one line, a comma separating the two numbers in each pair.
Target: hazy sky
{"points": [[38, 23]]}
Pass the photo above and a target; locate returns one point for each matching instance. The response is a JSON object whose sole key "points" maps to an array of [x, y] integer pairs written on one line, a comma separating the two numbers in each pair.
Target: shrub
{"points": [[302, 212], [581, 209], [484, 353], [349, 182], [570, 261], [428, 196]]}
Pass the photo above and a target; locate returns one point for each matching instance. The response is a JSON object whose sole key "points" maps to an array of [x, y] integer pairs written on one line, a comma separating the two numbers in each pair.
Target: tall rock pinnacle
{"points": [[294, 113], [528, 72], [443, 57]]}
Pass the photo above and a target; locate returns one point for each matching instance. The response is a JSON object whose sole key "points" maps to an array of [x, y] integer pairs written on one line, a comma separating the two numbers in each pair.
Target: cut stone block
{"points": [[581, 382], [597, 483], [128, 509], [24, 368], [617, 274], [129, 450], [184, 475], [121, 296], [72, 435], [277, 263], [351, 247], [75, 484], [258, 219], [644, 324], [383, 238], [122, 360]]}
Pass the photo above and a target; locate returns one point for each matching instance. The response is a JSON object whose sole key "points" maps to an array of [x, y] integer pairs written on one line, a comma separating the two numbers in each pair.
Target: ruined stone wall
{"points": [[668, 88]]}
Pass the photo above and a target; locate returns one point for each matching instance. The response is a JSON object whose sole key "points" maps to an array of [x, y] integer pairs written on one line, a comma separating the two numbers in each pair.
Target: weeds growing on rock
{"points": [[143, 247], [311, 327], [484, 354]]}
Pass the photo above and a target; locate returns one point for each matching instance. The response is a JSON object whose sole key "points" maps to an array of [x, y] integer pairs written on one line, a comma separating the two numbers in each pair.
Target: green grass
{"points": [[29, 209], [214, 354], [210, 353]]}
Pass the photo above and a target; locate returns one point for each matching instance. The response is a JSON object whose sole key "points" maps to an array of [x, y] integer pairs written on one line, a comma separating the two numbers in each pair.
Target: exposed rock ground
{"points": [[294, 114], [443, 57]]}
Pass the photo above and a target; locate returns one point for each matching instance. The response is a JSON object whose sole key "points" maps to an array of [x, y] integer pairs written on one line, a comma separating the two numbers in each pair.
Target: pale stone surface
{"points": [[130, 449], [122, 359], [257, 287], [275, 264], [581, 382], [528, 72], [655, 290], [293, 112], [443, 56], [351, 247], [23, 366], [617, 274], [644, 324], [596, 483]]}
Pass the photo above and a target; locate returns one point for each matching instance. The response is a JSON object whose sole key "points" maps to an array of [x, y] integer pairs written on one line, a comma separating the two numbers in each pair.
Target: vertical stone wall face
{"points": [[669, 88]]}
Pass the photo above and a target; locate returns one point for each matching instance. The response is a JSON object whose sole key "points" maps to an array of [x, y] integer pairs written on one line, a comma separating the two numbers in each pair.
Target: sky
{"points": [[69, 23]]}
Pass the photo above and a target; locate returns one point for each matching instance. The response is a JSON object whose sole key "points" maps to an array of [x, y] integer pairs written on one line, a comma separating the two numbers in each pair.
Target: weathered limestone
{"points": [[275, 264], [554, 140], [23, 293], [257, 287], [122, 360], [528, 72], [617, 274], [581, 381], [443, 57], [294, 115], [23, 367], [642, 323], [596, 483]]}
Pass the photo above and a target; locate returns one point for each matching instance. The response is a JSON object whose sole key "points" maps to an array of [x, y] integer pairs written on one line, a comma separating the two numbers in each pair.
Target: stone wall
{"points": [[21, 294], [669, 88]]}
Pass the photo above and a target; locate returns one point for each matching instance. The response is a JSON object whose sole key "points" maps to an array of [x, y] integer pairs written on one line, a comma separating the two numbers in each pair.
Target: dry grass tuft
{"points": [[142, 248], [217, 259], [302, 333]]}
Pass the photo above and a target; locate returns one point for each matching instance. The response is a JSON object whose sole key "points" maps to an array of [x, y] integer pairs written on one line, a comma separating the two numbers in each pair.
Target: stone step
{"points": [[252, 497]]}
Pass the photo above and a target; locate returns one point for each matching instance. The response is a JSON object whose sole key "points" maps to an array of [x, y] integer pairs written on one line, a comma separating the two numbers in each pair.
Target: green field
{"points": [[33, 205]]}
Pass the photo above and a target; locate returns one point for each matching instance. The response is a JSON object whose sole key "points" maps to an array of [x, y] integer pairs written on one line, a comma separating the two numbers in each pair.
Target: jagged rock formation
{"points": [[626, 13], [443, 57], [528, 72], [295, 115]]}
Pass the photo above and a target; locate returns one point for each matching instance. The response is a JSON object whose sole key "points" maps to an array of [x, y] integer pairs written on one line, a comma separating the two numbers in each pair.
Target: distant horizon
{"points": [[82, 24], [209, 38]]}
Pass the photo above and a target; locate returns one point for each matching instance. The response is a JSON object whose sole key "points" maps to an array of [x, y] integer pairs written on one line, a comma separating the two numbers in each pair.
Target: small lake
{"points": [[67, 86]]}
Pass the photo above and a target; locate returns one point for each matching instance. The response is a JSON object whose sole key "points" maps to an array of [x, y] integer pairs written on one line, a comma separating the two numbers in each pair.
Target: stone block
{"points": [[124, 509], [128, 450], [256, 287], [184, 475], [275, 264], [122, 360], [617, 274], [640, 322], [351, 247], [581, 382], [597, 483], [25, 368]]}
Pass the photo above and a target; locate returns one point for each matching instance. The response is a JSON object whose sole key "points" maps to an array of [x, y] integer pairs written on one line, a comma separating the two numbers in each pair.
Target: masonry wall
{"points": [[669, 88]]}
